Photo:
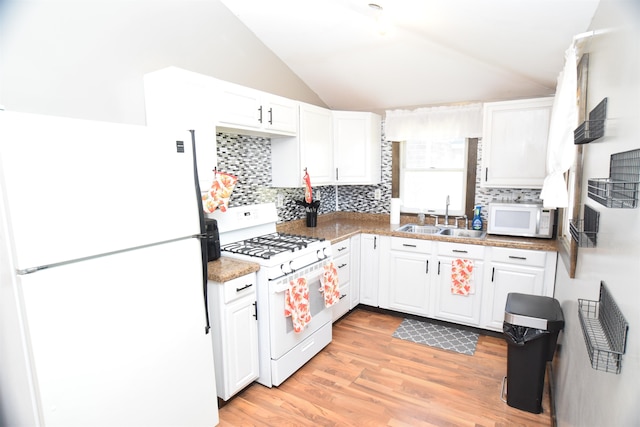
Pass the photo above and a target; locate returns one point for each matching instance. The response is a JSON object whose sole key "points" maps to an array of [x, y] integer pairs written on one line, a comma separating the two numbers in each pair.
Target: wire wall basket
{"points": [[605, 331], [592, 129], [585, 231], [620, 190]]}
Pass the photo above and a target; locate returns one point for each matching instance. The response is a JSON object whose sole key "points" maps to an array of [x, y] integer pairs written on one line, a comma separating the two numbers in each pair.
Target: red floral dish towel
{"points": [[462, 277], [296, 303], [218, 195], [330, 285]]}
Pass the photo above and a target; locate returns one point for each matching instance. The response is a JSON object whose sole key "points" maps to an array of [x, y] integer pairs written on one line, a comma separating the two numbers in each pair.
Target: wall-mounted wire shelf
{"points": [[592, 129], [620, 190], [585, 231], [605, 331]]}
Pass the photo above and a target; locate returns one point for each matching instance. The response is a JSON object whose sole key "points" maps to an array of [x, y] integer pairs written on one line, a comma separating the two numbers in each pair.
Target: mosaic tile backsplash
{"points": [[249, 158]]}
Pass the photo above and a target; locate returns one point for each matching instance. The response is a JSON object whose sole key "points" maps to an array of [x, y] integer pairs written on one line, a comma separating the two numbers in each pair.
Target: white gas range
{"points": [[249, 233]]}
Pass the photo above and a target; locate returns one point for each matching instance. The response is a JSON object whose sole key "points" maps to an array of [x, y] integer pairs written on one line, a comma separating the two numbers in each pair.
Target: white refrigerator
{"points": [[102, 303]]}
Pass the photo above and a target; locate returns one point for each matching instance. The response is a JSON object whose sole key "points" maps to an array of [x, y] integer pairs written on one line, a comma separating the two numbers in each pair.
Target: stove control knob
{"points": [[287, 268]]}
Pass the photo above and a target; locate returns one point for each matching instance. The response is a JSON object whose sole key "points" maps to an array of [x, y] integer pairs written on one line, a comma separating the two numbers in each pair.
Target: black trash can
{"points": [[531, 327]]}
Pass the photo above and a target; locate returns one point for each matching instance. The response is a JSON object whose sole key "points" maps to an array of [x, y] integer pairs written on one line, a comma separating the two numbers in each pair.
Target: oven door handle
{"points": [[292, 273], [284, 284]]}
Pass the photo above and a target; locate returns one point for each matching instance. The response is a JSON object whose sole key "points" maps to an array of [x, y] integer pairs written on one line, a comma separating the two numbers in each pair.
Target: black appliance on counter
{"points": [[212, 238]]}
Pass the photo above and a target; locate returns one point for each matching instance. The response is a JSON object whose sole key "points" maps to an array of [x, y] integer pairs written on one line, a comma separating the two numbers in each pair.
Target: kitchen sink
{"points": [[462, 232], [419, 229], [442, 231]]}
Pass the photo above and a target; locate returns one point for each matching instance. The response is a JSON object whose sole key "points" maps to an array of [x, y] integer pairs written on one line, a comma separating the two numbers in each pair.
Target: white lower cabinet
{"points": [[450, 306], [232, 311], [354, 288], [342, 259], [414, 276], [369, 268], [515, 270], [408, 286]]}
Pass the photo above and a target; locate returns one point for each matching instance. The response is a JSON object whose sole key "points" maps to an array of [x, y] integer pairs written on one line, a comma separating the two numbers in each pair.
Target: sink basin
{"points": [[461, 232], [442, 231], [419, 229]]}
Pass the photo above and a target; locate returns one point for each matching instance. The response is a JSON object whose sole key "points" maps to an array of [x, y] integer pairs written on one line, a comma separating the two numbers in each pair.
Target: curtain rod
{"points": [[581, 36]]}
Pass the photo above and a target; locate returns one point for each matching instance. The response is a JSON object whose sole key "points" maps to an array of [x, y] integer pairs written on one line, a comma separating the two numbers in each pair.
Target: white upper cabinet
{"points": [[311, 150], [245, 109], [357, 147], [514, 143], [339, 147], [316, 143]]}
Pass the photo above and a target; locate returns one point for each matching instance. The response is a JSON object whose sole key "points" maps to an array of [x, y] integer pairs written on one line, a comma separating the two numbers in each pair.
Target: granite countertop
{"points": [[224, 269], [338, 226]]}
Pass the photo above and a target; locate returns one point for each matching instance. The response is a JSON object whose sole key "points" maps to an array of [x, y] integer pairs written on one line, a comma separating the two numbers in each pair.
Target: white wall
{"points": [[584, 396], [86, 58]]}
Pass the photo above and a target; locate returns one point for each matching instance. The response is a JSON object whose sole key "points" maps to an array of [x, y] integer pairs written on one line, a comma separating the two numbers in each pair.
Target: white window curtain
{"points": [[434, 123], [560, 146]]}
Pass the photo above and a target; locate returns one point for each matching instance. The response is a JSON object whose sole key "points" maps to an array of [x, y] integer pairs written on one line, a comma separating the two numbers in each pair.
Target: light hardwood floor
{"points": [[365, 377]]}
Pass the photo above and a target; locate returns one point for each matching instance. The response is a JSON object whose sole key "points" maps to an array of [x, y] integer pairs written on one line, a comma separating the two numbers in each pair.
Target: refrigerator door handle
{"points": [[203, 234]]}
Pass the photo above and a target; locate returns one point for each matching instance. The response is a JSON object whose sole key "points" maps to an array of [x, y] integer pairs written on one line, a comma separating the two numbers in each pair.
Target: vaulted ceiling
{"points": [[409, 53]]}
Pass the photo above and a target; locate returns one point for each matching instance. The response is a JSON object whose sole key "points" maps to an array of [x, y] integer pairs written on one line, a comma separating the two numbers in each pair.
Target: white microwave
{"points": [[525, 219]]}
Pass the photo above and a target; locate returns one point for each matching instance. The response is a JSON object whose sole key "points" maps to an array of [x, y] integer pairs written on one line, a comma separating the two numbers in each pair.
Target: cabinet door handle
{"points": [[336, 174], [427, 270], [270, 116], [255, 310], [375, 242], [459, 251], [342, 296], [342, 249], [409, 246], [523, 258], [342, 265], [244, 287], [438, 268], [493, 273], [486, 174], [260, 114]]}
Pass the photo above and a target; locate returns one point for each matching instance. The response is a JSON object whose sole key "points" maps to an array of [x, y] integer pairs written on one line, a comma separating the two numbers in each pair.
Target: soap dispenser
{"points": [[476, 224]]}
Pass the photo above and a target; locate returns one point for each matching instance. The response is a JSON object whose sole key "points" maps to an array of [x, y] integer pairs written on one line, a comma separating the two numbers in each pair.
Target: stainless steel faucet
{"points": [[466, 221], [446, 212]]}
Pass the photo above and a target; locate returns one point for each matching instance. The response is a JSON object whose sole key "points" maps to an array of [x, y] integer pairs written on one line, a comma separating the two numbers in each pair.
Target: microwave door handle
{"points": [[538, 214]]}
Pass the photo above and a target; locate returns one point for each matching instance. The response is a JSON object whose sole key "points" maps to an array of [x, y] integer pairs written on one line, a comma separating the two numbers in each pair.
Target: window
{"points": [[429, 172]]}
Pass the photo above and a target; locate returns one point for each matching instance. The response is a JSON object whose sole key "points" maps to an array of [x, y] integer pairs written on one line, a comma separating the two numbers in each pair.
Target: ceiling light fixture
{"points": [[382, 23]]}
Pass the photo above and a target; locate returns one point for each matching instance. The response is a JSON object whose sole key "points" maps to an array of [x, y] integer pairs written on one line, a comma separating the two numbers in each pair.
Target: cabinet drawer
{"points": [[519, 256], [341, 248], [343, 265], [411, 245], [240, 287], [458, 250], [342, 306]]}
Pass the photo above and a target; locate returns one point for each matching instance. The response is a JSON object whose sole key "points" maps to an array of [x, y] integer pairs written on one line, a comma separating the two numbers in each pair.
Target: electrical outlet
{"points": [[377, 194], [279, 200], [318, 194]]}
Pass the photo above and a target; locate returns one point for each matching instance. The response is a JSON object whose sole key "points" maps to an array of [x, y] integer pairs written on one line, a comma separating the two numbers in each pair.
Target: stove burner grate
{"points": [[269, 245]]}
